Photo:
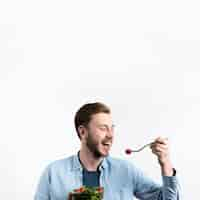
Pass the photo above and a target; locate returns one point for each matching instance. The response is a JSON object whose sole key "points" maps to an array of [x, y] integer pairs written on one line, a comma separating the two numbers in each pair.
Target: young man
{"points": [[92, 166]]}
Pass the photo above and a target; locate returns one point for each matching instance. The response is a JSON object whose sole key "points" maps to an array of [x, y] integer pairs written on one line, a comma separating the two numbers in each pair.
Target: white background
{"points": [[139, 57]]}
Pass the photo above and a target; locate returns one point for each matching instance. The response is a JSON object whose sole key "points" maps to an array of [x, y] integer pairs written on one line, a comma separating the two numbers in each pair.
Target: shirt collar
{"points": [[76, 165]]}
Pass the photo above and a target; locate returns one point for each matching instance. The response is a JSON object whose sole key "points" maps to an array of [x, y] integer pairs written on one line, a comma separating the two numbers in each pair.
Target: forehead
{"points": [[102, 118]]}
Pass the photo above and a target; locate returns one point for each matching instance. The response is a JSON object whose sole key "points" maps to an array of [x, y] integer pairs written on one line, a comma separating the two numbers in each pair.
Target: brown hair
{"points": [[84, 114]]}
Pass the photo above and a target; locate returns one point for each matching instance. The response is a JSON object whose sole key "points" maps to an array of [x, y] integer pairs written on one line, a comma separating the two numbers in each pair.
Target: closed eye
{"points": [[106, 128], [103, 128]]}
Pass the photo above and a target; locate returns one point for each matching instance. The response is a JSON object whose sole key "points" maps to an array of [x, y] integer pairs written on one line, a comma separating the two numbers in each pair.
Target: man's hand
{"points": [[160, 148]]}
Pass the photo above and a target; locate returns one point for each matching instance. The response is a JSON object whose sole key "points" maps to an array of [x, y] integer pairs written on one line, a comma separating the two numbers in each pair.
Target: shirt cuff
{"points": [[170, 181]]}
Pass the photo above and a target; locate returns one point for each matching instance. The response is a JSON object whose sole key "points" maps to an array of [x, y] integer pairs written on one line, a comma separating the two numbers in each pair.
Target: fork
{"points": [[129, 151]]}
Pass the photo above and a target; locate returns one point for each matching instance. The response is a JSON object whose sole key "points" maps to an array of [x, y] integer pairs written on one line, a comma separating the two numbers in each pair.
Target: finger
{"points": [[165, 146], [159, 149], [156, 153], [158, 145], [162, 140]]}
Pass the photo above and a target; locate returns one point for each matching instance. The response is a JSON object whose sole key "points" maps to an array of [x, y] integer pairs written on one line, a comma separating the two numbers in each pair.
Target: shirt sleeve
{"points": [[147, 189], [43, 187]]}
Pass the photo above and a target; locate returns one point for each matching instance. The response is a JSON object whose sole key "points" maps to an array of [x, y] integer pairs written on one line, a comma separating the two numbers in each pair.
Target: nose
{"points": [[110, 132]]}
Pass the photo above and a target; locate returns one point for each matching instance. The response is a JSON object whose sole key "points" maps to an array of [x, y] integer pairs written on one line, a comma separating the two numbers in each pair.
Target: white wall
{"points": [[139, 57]]}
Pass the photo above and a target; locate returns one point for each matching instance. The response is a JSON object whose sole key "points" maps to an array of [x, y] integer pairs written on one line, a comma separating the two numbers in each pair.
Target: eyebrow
{"points": [[113, 125]]}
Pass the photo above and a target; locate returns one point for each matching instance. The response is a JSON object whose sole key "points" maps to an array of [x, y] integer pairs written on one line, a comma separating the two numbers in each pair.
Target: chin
{"points": [[104, 154], [101, 154]]}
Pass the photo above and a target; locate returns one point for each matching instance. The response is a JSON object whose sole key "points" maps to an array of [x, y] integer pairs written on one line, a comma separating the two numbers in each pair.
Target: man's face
{"points": [[99, 136]]}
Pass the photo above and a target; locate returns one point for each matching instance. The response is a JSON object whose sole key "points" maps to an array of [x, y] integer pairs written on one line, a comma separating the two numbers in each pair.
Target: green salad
{"points": [[89, 193]]}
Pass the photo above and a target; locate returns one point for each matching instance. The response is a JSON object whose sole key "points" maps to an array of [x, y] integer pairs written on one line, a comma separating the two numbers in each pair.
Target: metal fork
{"points": [[129, 151]]}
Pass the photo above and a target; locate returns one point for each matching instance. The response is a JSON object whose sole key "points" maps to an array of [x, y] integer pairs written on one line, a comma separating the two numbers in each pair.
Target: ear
{"points": [[82, 131]]}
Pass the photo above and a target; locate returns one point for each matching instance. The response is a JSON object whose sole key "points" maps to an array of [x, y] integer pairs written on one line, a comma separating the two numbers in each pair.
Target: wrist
{"points": [[167, 169]]}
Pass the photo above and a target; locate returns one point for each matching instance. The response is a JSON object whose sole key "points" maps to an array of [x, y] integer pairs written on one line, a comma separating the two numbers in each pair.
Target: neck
{"points": [[88, 160]]}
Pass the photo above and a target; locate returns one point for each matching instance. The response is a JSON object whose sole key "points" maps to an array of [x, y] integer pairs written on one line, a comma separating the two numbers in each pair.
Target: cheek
{"points": [[99, 134], [95, 138], [98, 139]]}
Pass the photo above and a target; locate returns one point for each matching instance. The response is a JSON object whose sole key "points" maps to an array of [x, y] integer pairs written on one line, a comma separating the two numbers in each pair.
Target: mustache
{"points": [[106, 140]]}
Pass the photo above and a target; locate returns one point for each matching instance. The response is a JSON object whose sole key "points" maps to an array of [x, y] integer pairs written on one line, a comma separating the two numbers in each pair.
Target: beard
{"points": [[92, 145]]}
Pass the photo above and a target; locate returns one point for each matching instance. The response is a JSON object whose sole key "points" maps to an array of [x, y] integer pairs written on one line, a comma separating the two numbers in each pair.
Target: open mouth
{"points": [[106, 144]]}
